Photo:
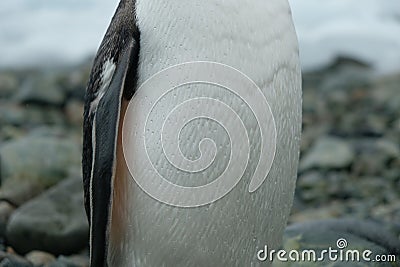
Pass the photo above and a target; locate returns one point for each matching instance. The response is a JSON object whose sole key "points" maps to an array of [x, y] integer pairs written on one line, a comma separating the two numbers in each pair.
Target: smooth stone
{"points": [[40, 258], [328, 153], [359, 235], [54, 222], [31, 164]]}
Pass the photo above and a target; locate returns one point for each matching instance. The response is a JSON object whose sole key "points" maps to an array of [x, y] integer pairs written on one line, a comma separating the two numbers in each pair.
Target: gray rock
{"points": [[328, 153], [41, 90], [33, 163], [54, 222], [357, 235]]}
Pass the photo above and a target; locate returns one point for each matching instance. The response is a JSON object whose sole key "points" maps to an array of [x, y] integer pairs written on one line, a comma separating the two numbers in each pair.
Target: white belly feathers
{"points": [[257, 38]]}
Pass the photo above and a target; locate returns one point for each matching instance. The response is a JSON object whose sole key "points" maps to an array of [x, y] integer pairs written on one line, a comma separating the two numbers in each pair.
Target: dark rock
{"points": [[54, 222]]}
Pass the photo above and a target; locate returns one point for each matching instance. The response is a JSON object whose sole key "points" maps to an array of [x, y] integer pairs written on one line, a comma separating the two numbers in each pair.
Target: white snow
{"points": [[366, 29]]}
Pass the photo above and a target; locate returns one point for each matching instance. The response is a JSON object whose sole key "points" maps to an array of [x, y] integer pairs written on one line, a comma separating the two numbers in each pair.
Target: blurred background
{"points": [[350, 154]]}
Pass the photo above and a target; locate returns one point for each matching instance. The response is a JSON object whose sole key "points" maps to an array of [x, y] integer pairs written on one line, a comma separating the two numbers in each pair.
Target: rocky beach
{"points": [[348, 181]]}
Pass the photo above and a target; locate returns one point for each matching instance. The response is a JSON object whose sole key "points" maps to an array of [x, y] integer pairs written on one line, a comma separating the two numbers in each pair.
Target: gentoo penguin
{"points": [[130, 227]]}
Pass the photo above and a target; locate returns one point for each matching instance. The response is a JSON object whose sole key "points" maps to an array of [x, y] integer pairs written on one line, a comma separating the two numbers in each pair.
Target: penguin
{"points": [[129, 227]]}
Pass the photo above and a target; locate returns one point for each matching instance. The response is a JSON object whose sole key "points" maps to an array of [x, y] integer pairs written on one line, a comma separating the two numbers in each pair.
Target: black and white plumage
{"points": [[127, 227], [112, 79]]}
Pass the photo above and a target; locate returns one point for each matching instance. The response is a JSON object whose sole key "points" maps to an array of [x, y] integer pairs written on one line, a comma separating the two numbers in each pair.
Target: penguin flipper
{"points": [[105, 132], [112, 79]]}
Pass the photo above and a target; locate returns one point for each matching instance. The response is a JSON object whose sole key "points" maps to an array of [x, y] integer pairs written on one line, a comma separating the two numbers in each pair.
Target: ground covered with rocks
{"points": [[349, 167], [350, 154]]}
